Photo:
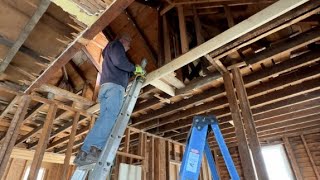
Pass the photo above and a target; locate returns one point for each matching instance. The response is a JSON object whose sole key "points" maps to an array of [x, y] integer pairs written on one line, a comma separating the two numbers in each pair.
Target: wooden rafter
{"points": [[287, 46], [249, 123], [105, 19], [12, 133], [40, 60], [266, 15], [143, 37], [291, 92], [239, 129], [44, 138], [43, 6]]}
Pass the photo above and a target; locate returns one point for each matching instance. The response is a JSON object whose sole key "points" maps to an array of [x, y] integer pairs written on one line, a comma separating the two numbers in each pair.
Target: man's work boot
{"points": [[81, 159], [94, 154]]}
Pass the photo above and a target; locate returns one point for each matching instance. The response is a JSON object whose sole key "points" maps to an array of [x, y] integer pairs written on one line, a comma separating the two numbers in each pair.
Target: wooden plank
{"points": [[70, 145], [166, 40], [218, 66], [166, 9], [66, 139], [215, 3], [249, 125], [126, 144], [254, 97], [197, 26], [282, 22], [159, 159], [23, 49], [266, 15], [240, 133], [42, 144], [95, 62], [66, 94], [30, 134], [145, 162], [152, 158], [105, 19], [290, 44], [9, 107], [96, 88], [255, 77], [163, 87], [229, 15], [160, 39], [13, 132], [43, 6], [173, 81], [183, 31], [292, 158], [19, 153], [167, 156], [146, 44], [314, 166]]}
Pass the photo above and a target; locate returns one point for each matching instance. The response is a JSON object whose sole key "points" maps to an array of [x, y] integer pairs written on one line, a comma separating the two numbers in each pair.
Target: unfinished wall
{"points": [[304, 165], [17, 168], [308, 162]]}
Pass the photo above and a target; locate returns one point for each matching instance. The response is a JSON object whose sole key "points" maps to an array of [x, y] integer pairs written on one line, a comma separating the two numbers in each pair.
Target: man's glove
{"points": [[139, 71]]}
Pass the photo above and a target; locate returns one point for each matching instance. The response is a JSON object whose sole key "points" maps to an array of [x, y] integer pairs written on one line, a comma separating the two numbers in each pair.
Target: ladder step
{"points": [[79, 174], [87, 167]]}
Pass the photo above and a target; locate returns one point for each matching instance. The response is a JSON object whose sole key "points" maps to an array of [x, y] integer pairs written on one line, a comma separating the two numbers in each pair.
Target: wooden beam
{"points": [[271, 122], [70, 145], [66, 139], [286, 20], [246, 161], [160, 39], [23, 49], [266, 15], [42, 144], [166, 9], [206, 80], [105, 19], [66, 94], [183, 31], [166, 40], [12, 133], [253, 78], [19, 153], [215, 3], [292, 158], [174, 81], [255, 99], [216, 64], [9, 107], [147, 45], [229, 15], [249, 125], [43, 6], [159, 159], [163, 87], [198, 83], [96, 87], [95, 62], [314, 166], [30, 134], [288, 45], [76, 68]]}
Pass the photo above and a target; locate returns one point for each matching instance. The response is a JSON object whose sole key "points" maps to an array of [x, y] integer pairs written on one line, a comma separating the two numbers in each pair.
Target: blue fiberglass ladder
{"points": [[197, 144]]}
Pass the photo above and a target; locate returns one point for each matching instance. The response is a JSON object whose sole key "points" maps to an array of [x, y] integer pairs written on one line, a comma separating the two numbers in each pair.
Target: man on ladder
{"points": [[116, 71]]}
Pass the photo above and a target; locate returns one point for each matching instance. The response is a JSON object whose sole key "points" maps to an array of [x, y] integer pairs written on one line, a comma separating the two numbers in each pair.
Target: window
{"points": [[40, 174], [277, 163]]}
